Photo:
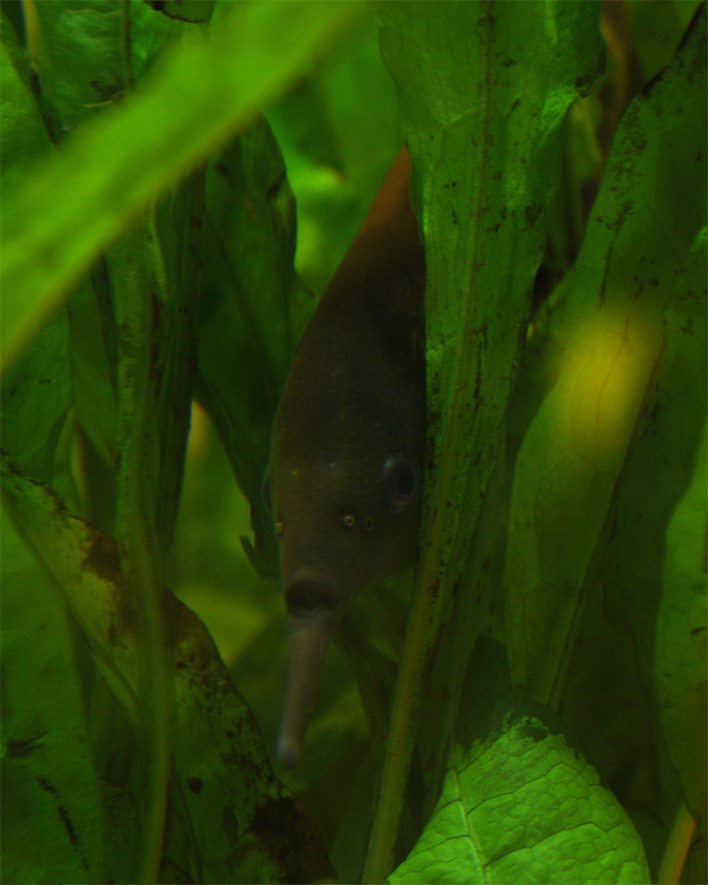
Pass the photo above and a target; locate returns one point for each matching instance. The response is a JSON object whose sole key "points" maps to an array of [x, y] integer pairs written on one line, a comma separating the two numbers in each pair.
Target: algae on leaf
{"points": [[482, 117], [233, 820], [524, 807], [484, 89]]}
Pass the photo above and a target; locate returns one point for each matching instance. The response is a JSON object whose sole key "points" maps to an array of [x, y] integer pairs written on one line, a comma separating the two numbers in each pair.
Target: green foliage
{"points": [[49, 784], [150, 246], [523, 806], [486, 152]]}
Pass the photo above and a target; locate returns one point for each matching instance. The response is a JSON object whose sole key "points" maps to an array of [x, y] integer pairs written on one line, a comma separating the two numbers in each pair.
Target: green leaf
{"points": [[79, 53], [52, 813], [484, 89], [240, 821], [36, 397], [681, 640], [89, 54], [93, 370], [524, 807], [607, 343], [23, 137], [253, 308], [76, 204], [483, 128]]}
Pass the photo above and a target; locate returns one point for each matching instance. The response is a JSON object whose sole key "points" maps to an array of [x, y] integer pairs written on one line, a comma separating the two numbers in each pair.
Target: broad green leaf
{"points": [[681, 639], [93, 370], [524, 807], [36, 398], [482, 117], [79, 54], [252, 311], [184, 282], [484, 88], [240, 820], [608, 323], [52, 814], [89, 54], [77, 203], [23, 137]]}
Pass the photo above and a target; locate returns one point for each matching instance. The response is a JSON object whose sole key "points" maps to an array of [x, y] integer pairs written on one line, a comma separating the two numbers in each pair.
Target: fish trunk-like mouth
{"points": [[311, 630], [309, 598]]}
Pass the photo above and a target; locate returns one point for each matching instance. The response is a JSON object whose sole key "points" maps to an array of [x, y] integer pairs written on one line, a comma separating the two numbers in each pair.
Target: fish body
{"points": [[348, 443]]}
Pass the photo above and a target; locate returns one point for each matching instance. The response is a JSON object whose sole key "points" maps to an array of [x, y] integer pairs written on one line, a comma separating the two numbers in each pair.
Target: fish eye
{"points": [[400, 480]]}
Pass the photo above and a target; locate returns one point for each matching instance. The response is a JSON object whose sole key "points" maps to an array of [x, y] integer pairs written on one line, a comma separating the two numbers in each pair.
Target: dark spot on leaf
{"points": [[278, 824], [229, 734], [103, 559], [16, 749], [529, 728], [47, 786], [67, 823], [697, 630], [230, 758], [195, 785], [654, 283], [454, 217], [64, 818], [45, 381]]}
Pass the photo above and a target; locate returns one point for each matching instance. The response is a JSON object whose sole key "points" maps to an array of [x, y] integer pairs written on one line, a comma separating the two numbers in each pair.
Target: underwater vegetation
{"points": [[527, 702]]}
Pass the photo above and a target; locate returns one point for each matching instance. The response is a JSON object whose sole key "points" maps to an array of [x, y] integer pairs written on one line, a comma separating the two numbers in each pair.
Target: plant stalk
{"points": [[139, 290], [676, 851]]}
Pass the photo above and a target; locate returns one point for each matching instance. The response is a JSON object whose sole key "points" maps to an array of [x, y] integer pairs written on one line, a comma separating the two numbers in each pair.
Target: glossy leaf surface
{"points": [[524, 807]]}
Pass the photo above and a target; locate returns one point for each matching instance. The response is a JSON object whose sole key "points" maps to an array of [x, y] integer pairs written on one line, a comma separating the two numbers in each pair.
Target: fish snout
{"points": [[309, 597], [314, 612]]}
